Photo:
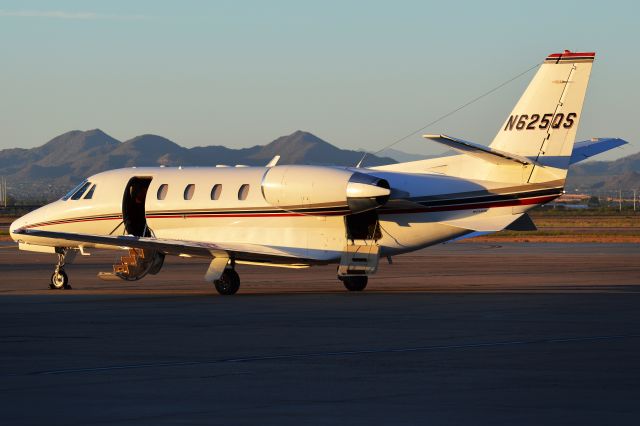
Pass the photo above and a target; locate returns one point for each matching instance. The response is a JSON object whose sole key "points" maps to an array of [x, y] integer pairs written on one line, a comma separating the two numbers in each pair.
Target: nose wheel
{"points": [[59, 278]]}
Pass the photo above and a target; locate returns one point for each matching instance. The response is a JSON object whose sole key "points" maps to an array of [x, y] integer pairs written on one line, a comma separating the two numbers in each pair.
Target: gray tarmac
{"points": [[462, 333]]}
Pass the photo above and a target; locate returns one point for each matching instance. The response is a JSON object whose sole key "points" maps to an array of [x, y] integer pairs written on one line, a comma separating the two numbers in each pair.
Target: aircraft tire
{"points": [[59, 280], [228, 283], [357, 283]]}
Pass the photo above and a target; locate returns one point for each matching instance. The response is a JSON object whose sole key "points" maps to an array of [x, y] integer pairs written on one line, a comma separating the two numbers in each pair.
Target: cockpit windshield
{"points": [[70, 193], [90, 193], [77, 192], [80, 192]]}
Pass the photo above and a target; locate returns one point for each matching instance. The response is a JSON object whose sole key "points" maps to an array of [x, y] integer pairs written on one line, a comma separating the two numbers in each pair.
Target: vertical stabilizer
{"points": [[543, 124]]}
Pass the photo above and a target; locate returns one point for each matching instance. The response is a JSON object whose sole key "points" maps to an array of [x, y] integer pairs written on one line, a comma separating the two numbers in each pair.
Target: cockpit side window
{"points": [[73, 191], [80, 192], [90, 193]]}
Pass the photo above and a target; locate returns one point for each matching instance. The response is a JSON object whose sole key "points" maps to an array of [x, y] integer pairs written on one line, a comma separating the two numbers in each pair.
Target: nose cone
{"points": [[15, 225], [24, 221]]}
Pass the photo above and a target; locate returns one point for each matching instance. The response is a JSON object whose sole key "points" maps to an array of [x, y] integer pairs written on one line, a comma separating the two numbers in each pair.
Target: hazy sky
{"points": [[355, 73]]}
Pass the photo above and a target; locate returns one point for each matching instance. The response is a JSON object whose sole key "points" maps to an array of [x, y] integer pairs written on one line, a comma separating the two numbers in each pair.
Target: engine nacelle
{"points": [[316, 189]]}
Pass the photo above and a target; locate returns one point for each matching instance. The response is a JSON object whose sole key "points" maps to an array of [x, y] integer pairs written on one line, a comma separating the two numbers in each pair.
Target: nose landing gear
{"points": [[59, 278]]}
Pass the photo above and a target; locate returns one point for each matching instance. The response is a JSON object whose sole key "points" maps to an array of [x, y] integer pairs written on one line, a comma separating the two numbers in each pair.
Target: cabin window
{"points": [[90, 193], [162, 191], [188, 191], [80, 192], [243, 192], [216, 191], [75, 188]]}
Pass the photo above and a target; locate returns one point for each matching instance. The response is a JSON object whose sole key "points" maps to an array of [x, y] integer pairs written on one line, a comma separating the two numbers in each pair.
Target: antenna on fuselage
{"points": [[273, 161]]}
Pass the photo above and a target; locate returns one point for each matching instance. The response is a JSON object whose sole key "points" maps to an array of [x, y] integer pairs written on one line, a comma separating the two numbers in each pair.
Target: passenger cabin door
{"points": [[133, 206]]}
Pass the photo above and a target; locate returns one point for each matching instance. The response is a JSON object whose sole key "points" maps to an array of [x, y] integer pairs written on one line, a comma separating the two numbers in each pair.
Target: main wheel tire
{"points": [[59, 280], [357, 283], [228, 283]]}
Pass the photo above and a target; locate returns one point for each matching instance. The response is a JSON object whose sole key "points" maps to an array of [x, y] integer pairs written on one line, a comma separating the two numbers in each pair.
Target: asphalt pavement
{"points": [[455, 334]]}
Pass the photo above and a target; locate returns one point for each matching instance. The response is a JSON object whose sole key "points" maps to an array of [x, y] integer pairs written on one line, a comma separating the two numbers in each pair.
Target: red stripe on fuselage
{"points": [[205, 215], [506, 203], [65, 221], [493, 204]]}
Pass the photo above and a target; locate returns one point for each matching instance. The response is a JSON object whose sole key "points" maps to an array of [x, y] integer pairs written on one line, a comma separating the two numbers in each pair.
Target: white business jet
{"points": [[297, 216]]}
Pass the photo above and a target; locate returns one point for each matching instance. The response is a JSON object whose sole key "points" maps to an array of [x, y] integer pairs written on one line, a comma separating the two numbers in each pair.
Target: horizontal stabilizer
{"points": [[484, 223], [587, 149], [491, 155]]}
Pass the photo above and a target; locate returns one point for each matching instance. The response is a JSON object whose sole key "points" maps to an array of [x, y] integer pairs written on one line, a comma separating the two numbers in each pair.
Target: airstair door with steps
{"points": [[138, 262], [361, 253], [132, 264]]}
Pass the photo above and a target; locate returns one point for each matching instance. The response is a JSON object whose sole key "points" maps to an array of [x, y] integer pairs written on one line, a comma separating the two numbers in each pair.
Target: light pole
{"points": [[620, 199], [3, 191]]}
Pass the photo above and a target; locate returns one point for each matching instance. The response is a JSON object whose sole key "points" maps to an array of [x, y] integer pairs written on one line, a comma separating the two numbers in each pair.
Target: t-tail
{"points": [[542, 126], [536, 143]]}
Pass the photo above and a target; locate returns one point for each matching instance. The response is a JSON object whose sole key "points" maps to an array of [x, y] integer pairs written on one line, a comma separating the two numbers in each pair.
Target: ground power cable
{"points": [[450, 113]]}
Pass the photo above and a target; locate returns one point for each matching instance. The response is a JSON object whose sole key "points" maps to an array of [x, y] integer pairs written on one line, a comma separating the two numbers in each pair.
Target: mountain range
{"points": [[602, 176], [48, 171]]}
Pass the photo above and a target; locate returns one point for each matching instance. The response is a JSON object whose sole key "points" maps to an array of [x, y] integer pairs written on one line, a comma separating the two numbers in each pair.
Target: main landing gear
{"points": [[228, 283], [59, 278], [354, 283]]}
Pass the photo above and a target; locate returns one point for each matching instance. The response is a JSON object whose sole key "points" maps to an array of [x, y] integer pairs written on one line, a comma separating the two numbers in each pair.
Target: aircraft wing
{"points": [[218, 253], [476, 150], [587, 149], [168, 246]]}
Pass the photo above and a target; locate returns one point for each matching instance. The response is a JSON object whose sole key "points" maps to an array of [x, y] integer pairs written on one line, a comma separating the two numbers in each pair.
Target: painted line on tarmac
{"points": [[462, 346]]}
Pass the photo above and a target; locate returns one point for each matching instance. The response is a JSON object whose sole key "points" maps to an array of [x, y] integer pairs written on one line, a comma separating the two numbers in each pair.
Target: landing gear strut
{"points": [[355, 283], [228, 283], [59, 278]]}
